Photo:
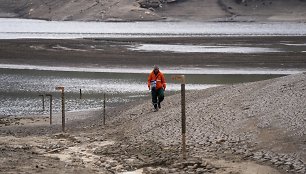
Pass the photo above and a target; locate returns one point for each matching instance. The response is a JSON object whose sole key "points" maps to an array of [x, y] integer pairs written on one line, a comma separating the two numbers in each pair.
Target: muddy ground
{"points": [[105, 52], [30, 145], [231, 129], [243, 128]]}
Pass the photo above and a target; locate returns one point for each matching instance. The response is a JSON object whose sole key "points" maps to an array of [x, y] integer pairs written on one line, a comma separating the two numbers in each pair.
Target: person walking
{"points": [[157, 85]]}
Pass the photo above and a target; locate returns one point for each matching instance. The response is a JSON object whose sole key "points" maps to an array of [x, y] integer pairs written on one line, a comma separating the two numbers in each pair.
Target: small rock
{"points": [[200, 170], [173, 170]]}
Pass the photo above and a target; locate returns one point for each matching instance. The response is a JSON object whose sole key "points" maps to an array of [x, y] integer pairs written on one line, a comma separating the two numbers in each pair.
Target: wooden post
{"points": [[182, 79], [80, 93], [63, 106], [49, 95], [43, 101], [183, 120], [104, 102]]}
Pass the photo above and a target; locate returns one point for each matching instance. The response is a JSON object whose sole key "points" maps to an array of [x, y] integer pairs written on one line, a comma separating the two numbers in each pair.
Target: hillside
{"points": [[140, 10]]}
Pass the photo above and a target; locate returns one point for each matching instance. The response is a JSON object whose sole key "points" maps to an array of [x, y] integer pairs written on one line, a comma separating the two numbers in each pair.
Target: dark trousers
{"points": [[157, 94]]}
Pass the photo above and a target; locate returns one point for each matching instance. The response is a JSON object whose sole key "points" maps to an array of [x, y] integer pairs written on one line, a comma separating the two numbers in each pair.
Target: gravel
{"points": [[262, 121]]}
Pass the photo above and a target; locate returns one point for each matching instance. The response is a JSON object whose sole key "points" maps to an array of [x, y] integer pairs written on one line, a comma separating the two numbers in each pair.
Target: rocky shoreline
{"points": [[254, 127]]}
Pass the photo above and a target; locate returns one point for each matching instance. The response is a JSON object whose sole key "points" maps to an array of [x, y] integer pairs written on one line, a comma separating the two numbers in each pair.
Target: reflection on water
{"points": [[20, 89]]}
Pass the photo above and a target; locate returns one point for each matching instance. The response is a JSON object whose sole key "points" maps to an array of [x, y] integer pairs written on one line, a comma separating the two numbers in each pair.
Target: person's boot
{"points": [[155, 108], [159, 106]]}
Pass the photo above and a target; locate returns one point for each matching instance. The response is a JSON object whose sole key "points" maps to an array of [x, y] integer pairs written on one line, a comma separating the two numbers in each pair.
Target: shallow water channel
{"points": [[21, 85], [20, 88]]}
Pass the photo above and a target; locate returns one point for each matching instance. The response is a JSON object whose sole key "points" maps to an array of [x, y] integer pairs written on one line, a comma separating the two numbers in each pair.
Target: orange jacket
{"points": [[160, 80]]}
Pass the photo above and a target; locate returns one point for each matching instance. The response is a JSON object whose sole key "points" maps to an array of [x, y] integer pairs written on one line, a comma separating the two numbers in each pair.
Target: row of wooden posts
{"points": [[180, 78], [62, 89]]}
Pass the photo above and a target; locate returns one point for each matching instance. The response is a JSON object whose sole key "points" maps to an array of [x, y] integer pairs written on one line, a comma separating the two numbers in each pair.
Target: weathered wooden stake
{"points": [[80, 93], [49, 95], [43, 101], [182, 79], [104, 102], [63, 106], [183, 120]]}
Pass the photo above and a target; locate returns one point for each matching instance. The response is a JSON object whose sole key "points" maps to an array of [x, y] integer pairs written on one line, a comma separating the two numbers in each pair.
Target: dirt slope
{"points": [[267, 10], [207, 10], [84, 10], [270, 115], [131, 10]]}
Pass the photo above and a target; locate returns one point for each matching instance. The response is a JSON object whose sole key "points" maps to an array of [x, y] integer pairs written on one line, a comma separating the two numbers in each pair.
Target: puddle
{"points": [[139, 171], [201, 49], [291, 44], [67, 49], [83, 152]]}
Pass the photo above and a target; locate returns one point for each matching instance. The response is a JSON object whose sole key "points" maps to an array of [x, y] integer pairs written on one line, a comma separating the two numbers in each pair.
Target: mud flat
{"points": [[116, 52], [101, 65], [244, 128]]}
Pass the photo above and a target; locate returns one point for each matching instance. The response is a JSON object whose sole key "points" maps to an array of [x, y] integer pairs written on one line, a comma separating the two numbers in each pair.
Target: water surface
{"points": [[26, 28], [20, 88]]}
